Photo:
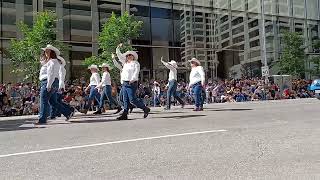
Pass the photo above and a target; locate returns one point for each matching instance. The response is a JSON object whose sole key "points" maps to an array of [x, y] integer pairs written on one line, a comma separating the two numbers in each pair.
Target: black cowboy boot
{"points": [[131, 107], [119, 109], [98, 112], [146, 112], [124, 116]]}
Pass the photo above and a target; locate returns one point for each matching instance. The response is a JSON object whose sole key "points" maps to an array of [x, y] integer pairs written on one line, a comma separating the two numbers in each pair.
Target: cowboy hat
{"points": [[173, 63], [52, 48], [195, 60], [105, 65], [93, 66], [133, 53], [63, 61]]}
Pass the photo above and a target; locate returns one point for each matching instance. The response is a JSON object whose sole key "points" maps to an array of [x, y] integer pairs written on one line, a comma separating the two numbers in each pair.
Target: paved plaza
{"points": [[254, 140]]}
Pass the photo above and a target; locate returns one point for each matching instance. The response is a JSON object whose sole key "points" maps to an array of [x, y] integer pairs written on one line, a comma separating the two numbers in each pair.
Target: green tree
{"points": [[292, 58], [115, 30], [315, 60], [25, 53]]}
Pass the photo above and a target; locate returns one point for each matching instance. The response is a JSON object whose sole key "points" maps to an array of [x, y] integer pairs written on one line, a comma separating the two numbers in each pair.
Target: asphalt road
{"points": [[255, 140]]}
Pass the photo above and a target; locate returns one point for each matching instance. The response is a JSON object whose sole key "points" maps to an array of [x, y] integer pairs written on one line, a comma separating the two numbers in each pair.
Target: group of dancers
{"points": [[52, 75]]}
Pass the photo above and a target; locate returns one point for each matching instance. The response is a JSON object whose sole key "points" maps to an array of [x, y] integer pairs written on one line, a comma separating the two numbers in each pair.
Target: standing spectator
{"points": [[156, 93]]}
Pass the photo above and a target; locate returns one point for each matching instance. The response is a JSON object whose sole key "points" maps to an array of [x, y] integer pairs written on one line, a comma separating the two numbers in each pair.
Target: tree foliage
{"points": [[115, 30], [25, 53], [293, 55]]}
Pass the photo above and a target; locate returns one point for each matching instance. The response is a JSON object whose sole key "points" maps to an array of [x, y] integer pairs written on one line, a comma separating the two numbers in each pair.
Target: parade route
{"points": [[252, 140]]}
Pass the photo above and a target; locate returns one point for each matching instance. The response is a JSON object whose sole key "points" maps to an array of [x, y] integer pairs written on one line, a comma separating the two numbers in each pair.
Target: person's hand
{"points": [[99, 90], [86, 90], [132, 81]]}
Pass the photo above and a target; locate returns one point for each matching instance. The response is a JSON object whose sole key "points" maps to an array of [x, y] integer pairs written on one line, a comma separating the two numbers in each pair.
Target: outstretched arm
{"points": [[116, 63], [121, 57], [167, 64]]}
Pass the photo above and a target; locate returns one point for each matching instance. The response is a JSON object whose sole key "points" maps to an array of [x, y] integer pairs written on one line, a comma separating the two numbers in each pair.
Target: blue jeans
{"points": [[53, 111], [129, 96], [48, 99], [94, 95], [172, 91], [107, 91], [156, 100], [197, 91]]}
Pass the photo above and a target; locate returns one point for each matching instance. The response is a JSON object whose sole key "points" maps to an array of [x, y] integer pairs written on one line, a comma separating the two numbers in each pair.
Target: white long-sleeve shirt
{"points": [[197, 75], [173, 71], [156, 90], [117, 64], [94, 79], [105, 80], [50, 71], [130, 71], [62, 76]]}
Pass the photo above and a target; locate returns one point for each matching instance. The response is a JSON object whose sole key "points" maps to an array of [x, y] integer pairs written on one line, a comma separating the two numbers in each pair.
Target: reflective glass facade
{"points": [[226, 35]]}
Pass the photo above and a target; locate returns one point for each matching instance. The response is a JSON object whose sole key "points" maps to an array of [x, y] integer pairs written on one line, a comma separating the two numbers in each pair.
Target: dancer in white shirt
{"points": [[105, 84], [172, 83], [49, 77], [120, 67], [197, 82], [62, 75], [94, 82], [129, 78]]}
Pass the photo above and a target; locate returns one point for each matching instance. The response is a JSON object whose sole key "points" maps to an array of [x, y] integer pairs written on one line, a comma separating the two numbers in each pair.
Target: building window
{"points": [[237, 21], [255, 43], [238, 30], [238, 39], [253, 24], [254, 33], [225, 35]]}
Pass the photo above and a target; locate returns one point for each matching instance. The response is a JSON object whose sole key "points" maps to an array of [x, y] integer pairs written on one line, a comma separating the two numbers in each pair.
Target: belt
{"points": [[129, 81]]}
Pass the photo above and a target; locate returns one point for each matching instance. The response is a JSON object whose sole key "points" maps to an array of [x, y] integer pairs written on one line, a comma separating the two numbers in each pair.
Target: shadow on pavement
{"points": [[159, 112], [96, 121], [14, 125], [228, 109], [92, 116], [181, 117]]}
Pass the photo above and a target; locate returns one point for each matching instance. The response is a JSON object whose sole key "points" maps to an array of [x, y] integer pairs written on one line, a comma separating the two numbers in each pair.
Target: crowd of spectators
{"points": [[23, 98]]}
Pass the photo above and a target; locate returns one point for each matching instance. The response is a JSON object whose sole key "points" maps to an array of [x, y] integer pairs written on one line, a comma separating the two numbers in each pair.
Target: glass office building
{"points": [[226, 35]]}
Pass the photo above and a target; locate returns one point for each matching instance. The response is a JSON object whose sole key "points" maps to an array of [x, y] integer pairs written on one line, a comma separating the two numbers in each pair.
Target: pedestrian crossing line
{"points": [[110, 143]]}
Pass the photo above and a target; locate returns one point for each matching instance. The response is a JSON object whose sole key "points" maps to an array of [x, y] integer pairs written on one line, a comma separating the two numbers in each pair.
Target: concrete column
{"points": [[291, 20], [276, 40], [19, 15], [95, 26], [123, 6], [59, 12], [246, 39], [230, 23]]}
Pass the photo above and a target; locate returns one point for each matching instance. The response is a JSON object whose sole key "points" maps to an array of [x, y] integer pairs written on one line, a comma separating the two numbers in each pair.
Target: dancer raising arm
{"points": [[129, 78], [172, 83]]}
